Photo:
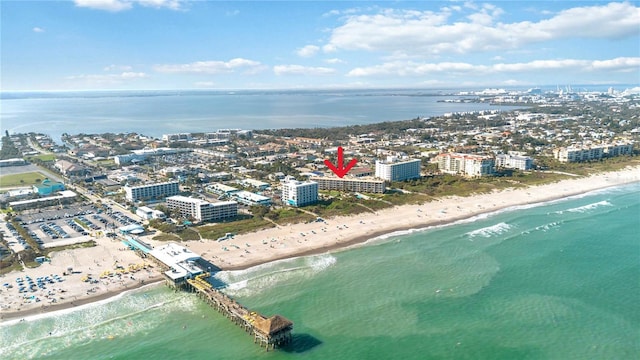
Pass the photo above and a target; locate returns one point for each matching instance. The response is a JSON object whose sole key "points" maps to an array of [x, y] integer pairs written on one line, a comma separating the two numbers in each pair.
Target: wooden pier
{"points": [[270, 332], [179, 266]]}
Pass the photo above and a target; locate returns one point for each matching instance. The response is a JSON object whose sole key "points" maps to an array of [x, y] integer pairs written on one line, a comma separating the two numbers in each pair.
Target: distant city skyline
{"points": [[175, 44]]}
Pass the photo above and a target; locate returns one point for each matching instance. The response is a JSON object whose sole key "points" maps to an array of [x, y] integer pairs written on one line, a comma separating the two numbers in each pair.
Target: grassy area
{"points": [[106, 163], [86, 244], [236, 227], [289, 216], [24, 179], [589, 167], [188, 234], [337, 207], [166, 237], [41, 157], [14, 265]]}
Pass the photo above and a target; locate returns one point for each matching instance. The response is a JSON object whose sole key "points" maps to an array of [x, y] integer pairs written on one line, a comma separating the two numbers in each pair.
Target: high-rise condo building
{"points": [[151, 191], [202, 210], [393, 169], [298, 193]]}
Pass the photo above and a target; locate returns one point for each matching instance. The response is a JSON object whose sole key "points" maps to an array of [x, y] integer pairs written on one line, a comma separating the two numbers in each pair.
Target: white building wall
{"points": [[297, 193], [398, 171]]}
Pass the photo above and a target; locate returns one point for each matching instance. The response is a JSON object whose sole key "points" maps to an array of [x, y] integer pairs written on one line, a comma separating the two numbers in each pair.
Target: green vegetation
{"points": [[337, 207], [106, 163], [244, 226], [589, 167], [188, 234], [288, 215], [81, 223], [166, 237], [23, 179], [165, 227], [342, 133], [41, 157], [9, 264], [9, 150]]}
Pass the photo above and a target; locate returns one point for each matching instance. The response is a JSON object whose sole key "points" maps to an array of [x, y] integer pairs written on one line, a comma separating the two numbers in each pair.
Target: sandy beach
{"points": [[128, 271]]}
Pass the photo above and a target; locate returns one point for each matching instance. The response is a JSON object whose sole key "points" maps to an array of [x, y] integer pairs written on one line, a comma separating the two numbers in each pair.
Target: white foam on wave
{"points": [[262, 277], [589, 207], [90, 305], [489, 231], [549, 226], [92, 321]]}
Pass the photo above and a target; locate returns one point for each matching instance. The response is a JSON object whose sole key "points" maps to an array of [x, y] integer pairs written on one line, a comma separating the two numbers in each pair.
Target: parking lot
{"points": [[71, 224]]}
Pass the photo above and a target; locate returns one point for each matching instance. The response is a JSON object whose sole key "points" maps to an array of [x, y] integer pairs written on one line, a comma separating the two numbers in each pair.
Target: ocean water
{"points": [[558, 280], [154, 113]]}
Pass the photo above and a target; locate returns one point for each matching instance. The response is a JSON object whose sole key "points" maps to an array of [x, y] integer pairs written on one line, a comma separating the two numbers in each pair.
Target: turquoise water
{"points": [[554, 281]]}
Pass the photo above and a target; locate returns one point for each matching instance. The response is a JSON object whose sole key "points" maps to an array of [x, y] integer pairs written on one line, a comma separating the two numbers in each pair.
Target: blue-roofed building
{"points": [[48, 187]]}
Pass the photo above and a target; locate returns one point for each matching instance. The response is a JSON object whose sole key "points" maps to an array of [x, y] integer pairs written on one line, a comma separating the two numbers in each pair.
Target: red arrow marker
{"points": [[340, 170]]}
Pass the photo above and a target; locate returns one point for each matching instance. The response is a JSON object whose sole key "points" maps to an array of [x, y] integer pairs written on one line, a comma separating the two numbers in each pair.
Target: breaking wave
{"points": [[262, 277], [585, 208], [490, 231]]}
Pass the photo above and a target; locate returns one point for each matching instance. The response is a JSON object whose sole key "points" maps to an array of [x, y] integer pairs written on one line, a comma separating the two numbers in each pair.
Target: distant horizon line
{"points": [[576, 86]]}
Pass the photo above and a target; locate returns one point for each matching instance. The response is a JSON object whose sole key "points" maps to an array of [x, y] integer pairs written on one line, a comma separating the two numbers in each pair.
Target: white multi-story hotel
{"points": [[298, 193], [202, 210], [514, 162], [151, 191], [375, 186], [594, 152], [395, 170], [465, 164]]}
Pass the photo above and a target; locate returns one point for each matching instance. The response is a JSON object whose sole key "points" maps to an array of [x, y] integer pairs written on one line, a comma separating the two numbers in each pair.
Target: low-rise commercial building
{"points": [[260, 185], [222, 189], [65, 197], [183, 263], [149, 213], [249, 198], [364, 185], [12, 162], [48, 187], [69, 168]]}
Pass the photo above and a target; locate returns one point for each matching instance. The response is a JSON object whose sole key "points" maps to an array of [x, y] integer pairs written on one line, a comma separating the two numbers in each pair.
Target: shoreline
{"points": [[363, 239], [296, 240], [50, 309]]}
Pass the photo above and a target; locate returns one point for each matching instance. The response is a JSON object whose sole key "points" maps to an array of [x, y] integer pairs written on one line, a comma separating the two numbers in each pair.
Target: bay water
{"points": [[154, 113], [558, 280]]}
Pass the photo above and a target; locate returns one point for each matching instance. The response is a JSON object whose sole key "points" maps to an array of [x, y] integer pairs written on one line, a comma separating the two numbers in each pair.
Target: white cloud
{"points": [[427, 33], [109, 79], [232, 13], [410, 68], [120, 5], [107, 5], [335, 61], [113, 67], [38, 29], [169, 4], [301, 70], [308, 51], [212, 67]]}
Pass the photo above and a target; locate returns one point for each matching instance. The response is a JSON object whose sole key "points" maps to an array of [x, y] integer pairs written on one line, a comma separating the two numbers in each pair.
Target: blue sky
{"points": [[174, 44]]}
